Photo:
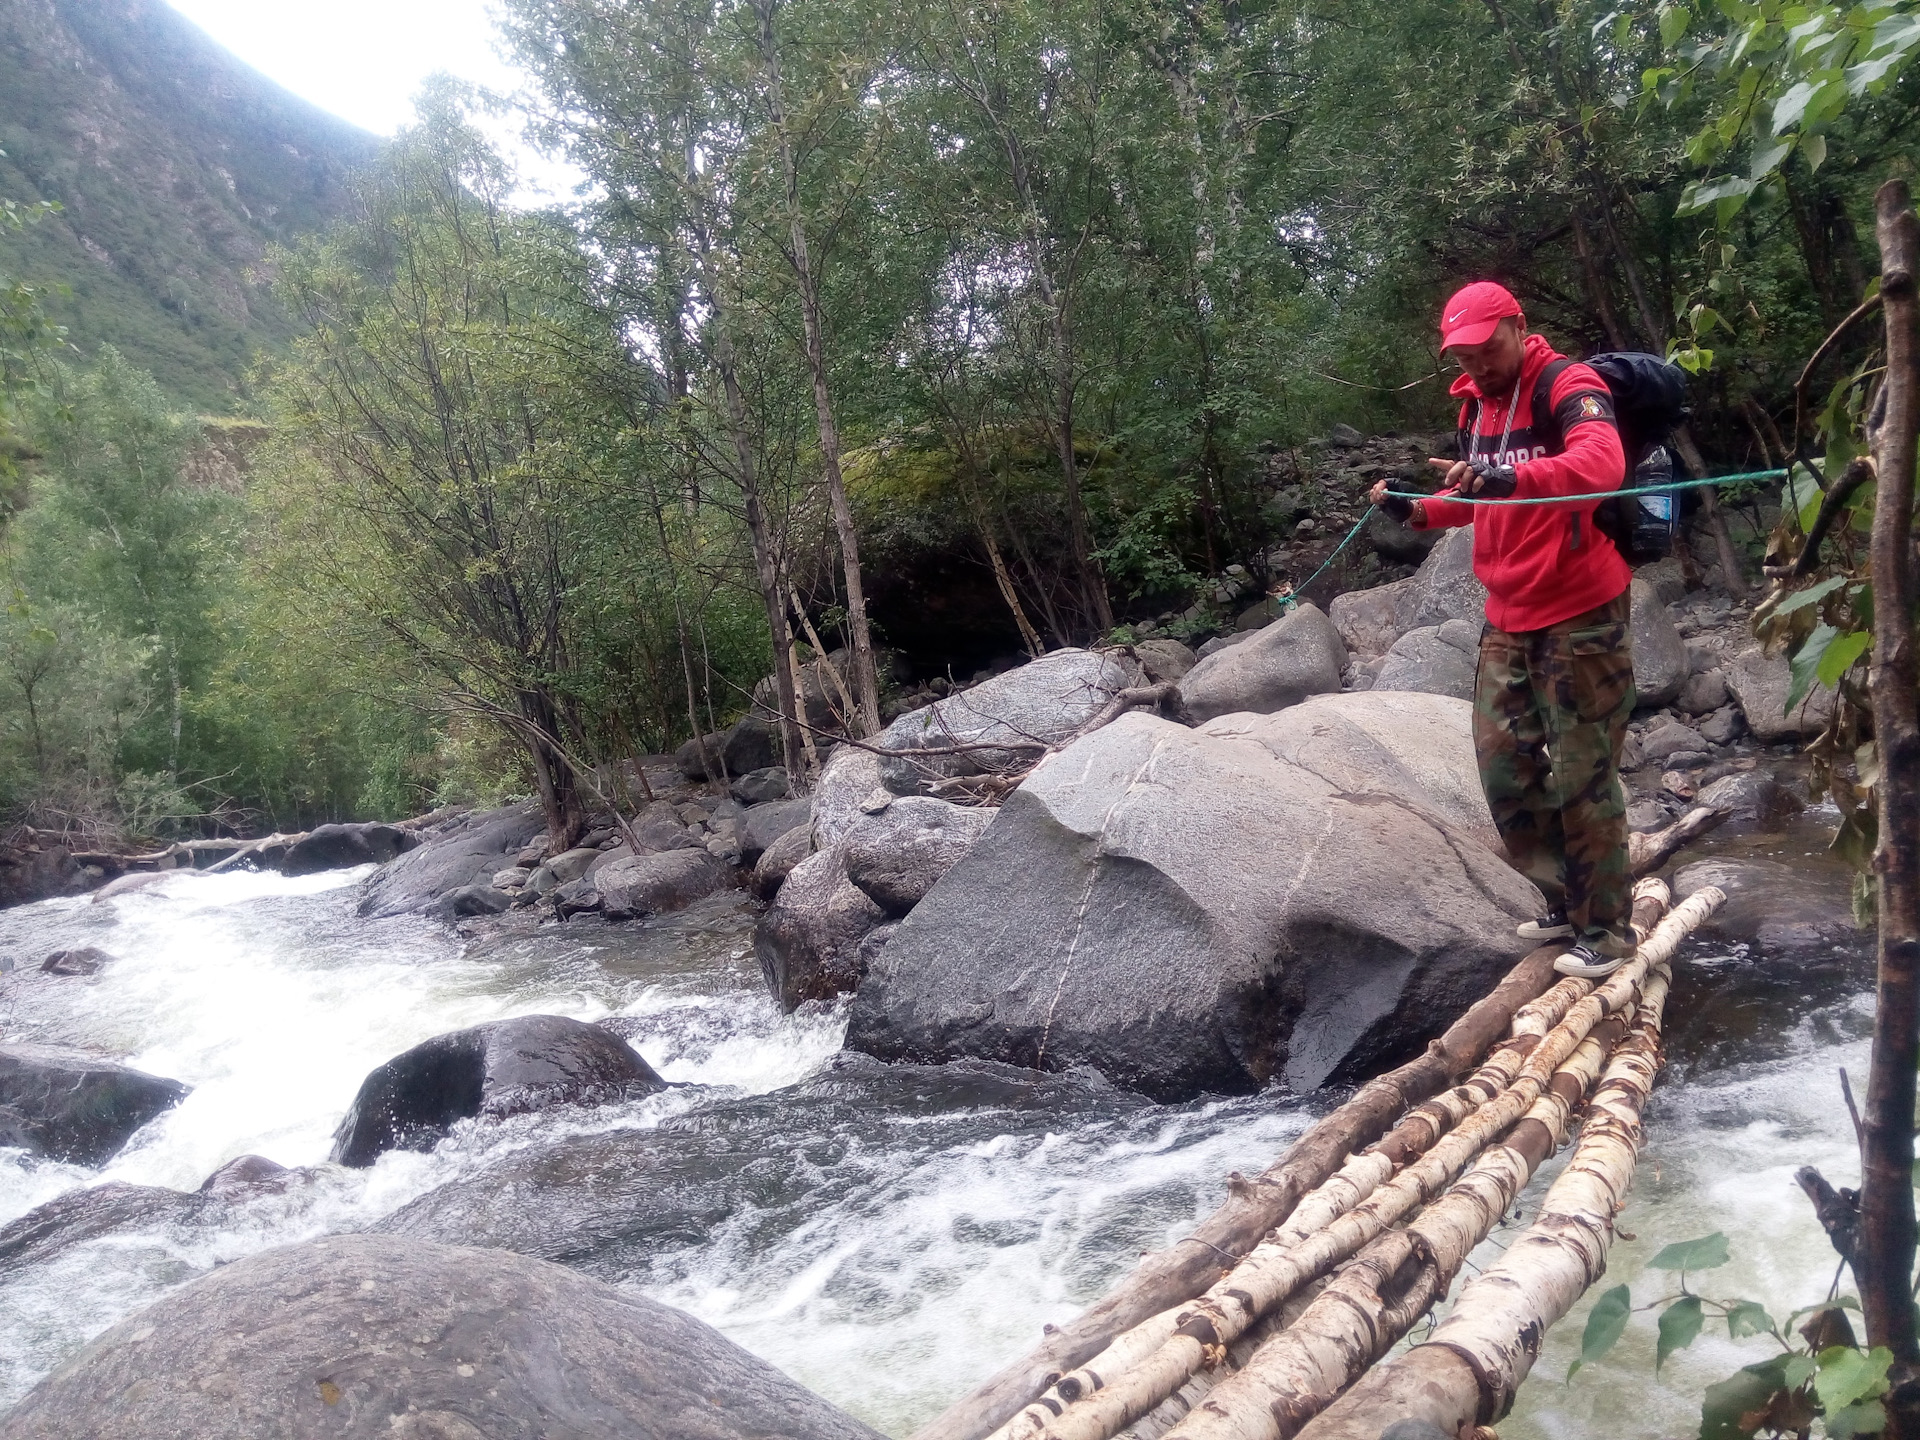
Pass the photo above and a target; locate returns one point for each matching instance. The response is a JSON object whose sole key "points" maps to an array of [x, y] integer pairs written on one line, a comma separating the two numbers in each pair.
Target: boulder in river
{"points": [[849, 782], [336, 847], [1784, 909], [73, 1106], [364, 1336], [778, 861], [78, 960], [82, 1215], [642, 885], [1306, 896], [460, 858], [504, 1068], [809, 939], [897, 855], [764, 824], [759, 786], [1275, 667]]}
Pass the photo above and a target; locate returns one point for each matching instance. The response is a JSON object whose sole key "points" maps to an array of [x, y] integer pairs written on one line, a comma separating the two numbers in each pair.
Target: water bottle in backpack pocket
{"points": [[1649, 400], [1642, 526]]}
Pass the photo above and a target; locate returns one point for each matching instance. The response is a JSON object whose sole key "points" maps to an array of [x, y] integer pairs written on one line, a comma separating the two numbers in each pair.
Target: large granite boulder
{"points": [[337, 847], [809, 941], [1307, 897], [642, 885], [508, 1067], [460, 857], [765, 824], [73, 1106], [897, 855], [1433, 660], [849, 782], [1040, 703], [1445, 587], [1660, 663], [1369, 620], [1163, 659], [1760, 683], [365, 1336], [1275, 667], [1782, 909], [778, 861], [749, 744]]}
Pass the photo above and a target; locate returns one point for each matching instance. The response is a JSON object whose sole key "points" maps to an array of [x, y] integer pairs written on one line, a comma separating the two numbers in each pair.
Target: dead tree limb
{"points": [[1647, 852]]}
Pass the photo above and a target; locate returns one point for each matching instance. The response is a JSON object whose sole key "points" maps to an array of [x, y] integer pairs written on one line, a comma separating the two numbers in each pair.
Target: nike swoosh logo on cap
{"points": [[1455, 319]]}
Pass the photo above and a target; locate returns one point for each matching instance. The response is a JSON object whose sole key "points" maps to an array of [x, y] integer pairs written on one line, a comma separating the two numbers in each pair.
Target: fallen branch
{"points": [[253, 848], [1647, 852]]}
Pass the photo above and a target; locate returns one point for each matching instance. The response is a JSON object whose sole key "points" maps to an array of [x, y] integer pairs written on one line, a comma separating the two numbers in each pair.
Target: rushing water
{"points": [[887, 1236]]}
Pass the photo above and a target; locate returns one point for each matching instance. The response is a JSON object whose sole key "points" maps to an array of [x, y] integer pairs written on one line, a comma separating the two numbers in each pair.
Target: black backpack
{"points": [[1649, 400]]}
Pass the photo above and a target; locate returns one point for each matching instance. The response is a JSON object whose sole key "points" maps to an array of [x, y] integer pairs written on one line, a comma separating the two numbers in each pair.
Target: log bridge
{"points": [[1272, 1319]]}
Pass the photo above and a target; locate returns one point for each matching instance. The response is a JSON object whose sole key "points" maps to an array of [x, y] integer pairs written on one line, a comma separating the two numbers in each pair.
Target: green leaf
{"points": [[1845, 1375], [1743, 1393], [1606, 1322], [1767, 158], [1748, 1317], [1840, 657], [1680, 1323], [1800, 599], [1702, 193], [1869, 1417], [1799, 1370], [1674, 20], [1791, 107], [1709, 1252], [1814, 148], [1804, 668]]}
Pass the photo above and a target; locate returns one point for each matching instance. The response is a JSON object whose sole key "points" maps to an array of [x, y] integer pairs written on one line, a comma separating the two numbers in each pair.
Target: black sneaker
{"points": [[1551, 926], [1588, 963]]}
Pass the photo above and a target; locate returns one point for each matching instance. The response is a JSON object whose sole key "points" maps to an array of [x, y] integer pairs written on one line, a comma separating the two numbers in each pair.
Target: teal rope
{"points": [[1592, 495], [1293, 597]]}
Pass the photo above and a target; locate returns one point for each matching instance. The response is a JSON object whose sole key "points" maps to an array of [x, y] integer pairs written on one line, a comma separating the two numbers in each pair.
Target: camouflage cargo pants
{"points": [[1550, 712]]}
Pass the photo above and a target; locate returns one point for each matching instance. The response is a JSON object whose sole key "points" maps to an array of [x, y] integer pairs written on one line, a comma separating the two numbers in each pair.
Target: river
{"points": [[886, 1236]]}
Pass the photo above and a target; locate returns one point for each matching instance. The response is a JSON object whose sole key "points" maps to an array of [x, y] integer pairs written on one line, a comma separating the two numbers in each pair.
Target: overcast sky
{"points": [[364, 59]]}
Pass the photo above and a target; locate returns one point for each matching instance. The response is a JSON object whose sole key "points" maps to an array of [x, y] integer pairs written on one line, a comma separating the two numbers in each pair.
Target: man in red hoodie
{"points": [[1554, 685]]}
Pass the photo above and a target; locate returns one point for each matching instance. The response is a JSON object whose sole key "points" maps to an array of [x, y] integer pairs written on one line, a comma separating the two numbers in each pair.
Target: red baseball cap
{"points": [[1473, 313]]}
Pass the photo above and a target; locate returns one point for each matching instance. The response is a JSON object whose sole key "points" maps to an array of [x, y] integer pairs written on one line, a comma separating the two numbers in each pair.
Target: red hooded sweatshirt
{"points": [[1541, 564]]}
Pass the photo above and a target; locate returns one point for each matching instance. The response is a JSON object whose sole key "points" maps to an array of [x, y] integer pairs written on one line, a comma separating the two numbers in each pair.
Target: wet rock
{"points": [[1660, 665], [1760, 684], [86, 960], [349, 1335], [897, 855], [1723, 726], [1752, 797], [1422, 661], [764, 824], [73, 1106], [508, 1067], [1041, 703], [128, 884], [450, 869], [759, 786], [1163, 659], [1667, 739], [250, 1175], [1368, 619], [778, 861], [336, 847], [1703, 693], [41, 872], [1784, 909], [470, 901], [1322, 875], [1279, 666], [82, 1215], [1444, 588], [641, 885], [808, 942]]}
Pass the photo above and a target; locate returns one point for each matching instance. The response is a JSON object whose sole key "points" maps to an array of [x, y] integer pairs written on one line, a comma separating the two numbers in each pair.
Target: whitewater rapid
{"points": [[910, 1242]]}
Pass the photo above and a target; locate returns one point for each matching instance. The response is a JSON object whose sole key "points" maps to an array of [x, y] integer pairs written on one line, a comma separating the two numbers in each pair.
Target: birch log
{"points": [[1107, 1403], [1468, 1372], [1396, 1279], [1253, 1207]]}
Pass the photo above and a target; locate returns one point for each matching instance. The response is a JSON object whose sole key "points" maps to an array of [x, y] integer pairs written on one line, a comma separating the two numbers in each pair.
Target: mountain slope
{"points": [[176, 166]]}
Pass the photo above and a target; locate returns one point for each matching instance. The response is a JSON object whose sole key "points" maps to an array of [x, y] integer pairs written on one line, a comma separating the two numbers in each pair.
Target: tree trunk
{"points": [[1885, 1271], [1716, 517], [865, 678], [553, 776]]}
